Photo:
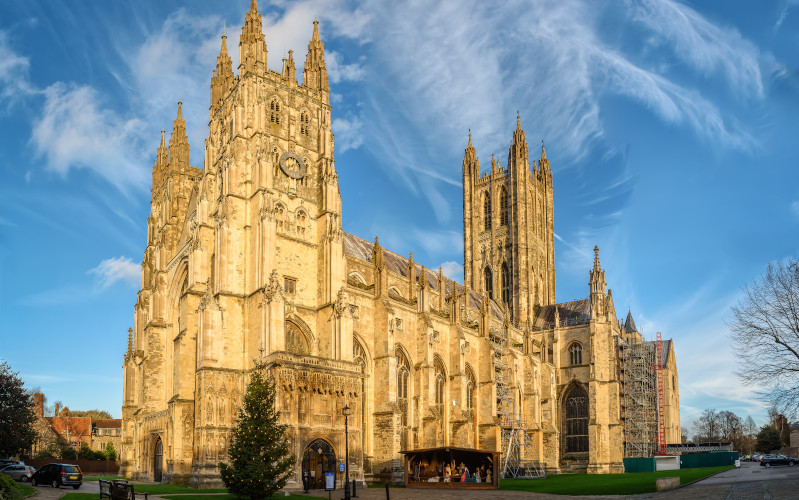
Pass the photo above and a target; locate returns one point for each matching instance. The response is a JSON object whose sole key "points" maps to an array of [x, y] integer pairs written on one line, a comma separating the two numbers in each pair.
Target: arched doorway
{"points": [[158, 460], [318, 458]]}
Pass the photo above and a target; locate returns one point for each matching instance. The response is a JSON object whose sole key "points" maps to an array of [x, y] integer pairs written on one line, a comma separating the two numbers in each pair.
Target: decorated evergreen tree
{"points": [[260, 459]]}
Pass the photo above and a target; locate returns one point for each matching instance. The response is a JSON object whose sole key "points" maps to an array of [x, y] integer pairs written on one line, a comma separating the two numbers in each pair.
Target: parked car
{"points": [[9, 461], [19, 472], [57, 475], [778, 459]]}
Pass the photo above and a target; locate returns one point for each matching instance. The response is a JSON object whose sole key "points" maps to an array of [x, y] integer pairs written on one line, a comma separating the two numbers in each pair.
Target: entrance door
{"points": [[318, 458], [158, 460]]}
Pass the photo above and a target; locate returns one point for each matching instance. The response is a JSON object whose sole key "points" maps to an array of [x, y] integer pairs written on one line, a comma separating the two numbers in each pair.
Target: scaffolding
{"points": [[661, 409], [639, 388], [518, 453]]}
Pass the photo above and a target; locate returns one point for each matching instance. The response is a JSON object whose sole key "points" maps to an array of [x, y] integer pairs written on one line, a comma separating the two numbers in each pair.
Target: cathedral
{"points": [[246, 262]]}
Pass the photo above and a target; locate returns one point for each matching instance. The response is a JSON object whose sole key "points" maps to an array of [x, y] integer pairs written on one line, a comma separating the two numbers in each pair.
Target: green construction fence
{"points": [[687, 461]]}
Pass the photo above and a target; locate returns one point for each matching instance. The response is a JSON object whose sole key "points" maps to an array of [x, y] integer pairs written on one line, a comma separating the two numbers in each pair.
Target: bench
{"points": [[118, 490]]}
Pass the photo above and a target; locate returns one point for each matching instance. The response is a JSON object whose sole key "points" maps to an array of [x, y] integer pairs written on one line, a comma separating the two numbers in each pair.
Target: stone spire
{"points": [[129, 352], [252, 44], [315, 73], [597, 285], [178, 142], [471, 165], [223, 75], [518, 156], [543, 163], [289, 70]]}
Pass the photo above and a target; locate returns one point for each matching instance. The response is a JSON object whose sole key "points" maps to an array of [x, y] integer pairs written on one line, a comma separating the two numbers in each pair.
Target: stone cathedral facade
{"points": [[246, 260]]}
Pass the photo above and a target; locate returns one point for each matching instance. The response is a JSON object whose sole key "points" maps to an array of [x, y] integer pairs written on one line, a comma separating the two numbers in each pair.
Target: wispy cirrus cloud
{"points": [[116, 269], [75, 131], [471, 66], [13, 71]]}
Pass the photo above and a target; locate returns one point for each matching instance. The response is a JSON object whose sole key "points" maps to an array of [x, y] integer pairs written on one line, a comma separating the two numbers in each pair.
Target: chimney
{"points": [[38, 404]]}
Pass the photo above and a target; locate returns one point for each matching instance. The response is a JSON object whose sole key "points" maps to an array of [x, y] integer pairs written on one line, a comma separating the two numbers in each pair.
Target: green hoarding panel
{"points": [[712, 459], [639, 465]]}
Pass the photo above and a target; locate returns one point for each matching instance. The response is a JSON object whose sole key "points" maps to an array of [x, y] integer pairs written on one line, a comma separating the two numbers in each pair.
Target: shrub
{"points": [[9, 489]]}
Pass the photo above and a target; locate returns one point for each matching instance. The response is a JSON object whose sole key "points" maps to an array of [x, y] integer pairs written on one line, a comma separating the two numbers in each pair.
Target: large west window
{"points": [[576, 422]]}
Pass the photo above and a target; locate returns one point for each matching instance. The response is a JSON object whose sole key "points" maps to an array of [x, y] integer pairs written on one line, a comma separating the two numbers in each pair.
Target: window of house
{"points": [[290, 285], [576, 354]]}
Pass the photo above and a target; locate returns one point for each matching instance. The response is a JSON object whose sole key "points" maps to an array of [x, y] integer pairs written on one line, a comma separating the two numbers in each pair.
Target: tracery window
{"points": [[576, 421], [503, 207], [576, 354], [489, 283], [403, 374], [305, 124], [296, 342], [507, 285], [440, 382], [470, 388], [274, 111], [487, 211], [359, 357]]}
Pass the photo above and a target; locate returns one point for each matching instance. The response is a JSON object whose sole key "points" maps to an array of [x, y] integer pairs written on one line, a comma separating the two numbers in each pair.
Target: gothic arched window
{"points": [[489, 283], [503, 207], [576, 354], [305, 124], [487, 211], [440, 382], [359, 357], [403, 374], [274, 111], [471, 385], [295, 340], [576, 422], [507, 285]]}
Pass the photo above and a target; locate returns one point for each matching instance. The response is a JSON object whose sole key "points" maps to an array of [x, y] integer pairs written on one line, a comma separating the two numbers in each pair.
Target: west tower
{"points": [[508, 229]]}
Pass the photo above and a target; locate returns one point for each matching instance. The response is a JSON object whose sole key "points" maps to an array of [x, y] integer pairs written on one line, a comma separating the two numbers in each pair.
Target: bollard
{"points": [[354, 493], [387, 497]]}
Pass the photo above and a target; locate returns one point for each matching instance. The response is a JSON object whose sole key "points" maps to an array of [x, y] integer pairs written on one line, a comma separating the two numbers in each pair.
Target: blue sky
{"points": [[670, 127]]}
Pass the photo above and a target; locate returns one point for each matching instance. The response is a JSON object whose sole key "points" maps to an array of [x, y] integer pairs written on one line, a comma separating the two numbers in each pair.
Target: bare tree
{"points": [[708, 426], [764, 331]]}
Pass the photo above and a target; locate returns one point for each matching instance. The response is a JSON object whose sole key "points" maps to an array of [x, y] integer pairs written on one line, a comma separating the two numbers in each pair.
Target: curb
{"points": [[697, 480]]}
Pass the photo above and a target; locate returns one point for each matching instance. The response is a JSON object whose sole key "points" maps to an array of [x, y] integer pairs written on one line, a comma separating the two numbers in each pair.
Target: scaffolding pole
{"points": [[639, 397], [519, 457]]}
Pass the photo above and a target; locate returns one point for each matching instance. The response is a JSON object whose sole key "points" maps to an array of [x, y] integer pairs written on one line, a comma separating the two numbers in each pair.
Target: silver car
{"points": [[18, 472]]}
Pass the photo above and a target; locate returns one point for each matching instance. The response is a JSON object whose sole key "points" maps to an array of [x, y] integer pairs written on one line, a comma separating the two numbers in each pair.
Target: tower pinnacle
{"points": [[178, 142], [315, 72], [222, 77], [252, 44]]}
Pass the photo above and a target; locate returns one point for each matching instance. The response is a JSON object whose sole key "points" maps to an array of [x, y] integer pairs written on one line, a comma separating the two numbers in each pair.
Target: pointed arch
{"points": [[575, 353], [403, 396], [487, 211], [507, 286], [503, 206], [488, 280], [440, 380], [297, 341], [575, 419], [305, 124], [471, 388], [274, 111]]}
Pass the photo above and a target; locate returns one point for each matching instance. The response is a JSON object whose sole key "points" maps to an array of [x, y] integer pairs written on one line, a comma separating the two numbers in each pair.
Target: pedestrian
{"points": [[416, 471]]}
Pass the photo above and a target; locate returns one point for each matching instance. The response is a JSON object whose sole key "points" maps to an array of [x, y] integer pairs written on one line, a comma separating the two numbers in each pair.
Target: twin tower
{"points": [[508, 229]]}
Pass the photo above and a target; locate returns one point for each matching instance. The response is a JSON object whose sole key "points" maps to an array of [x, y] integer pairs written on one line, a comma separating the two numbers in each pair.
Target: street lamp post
{"points": [[346, 412]]}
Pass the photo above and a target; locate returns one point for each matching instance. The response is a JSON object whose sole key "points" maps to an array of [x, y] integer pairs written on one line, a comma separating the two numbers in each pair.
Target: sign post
{"points": [[330, 482]]}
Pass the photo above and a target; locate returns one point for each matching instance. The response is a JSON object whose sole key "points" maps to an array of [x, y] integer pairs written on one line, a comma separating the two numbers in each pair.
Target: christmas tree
{"points": [[260, 459]]}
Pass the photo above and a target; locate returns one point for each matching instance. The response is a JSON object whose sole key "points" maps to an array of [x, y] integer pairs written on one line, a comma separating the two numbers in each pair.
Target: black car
{"points": [[57, 475], [769, 460]]}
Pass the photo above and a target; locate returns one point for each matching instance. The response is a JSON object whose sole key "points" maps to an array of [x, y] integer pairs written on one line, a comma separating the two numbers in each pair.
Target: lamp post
{"points": [[346, 412]]}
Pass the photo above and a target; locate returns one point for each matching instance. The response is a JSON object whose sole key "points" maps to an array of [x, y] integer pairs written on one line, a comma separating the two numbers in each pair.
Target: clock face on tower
{"points": [[293, 165]]}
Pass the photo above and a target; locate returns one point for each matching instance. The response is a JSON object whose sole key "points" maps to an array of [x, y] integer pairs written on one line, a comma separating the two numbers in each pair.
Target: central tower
{"points": [[508, 229]]}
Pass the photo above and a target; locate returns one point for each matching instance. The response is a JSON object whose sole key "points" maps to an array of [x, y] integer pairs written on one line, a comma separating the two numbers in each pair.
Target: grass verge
{"points": [[27, 490], [606, 484], [104, 478], [79, 496]]}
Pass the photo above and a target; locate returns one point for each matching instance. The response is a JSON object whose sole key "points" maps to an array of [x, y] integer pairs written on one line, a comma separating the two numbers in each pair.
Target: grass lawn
{"points": [[79, 496], [27, 490], [606, 484], [224, 497], [105, 478], [165, 489]]}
